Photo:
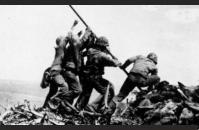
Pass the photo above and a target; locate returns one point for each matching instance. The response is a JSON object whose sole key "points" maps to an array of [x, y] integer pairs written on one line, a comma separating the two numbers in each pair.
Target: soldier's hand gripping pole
{"points": [[87, 27], [74, 24]]}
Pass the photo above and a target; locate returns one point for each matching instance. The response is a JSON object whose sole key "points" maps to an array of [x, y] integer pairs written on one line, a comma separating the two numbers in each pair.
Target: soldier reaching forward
{"points": [[97, 59], [143, 73]]}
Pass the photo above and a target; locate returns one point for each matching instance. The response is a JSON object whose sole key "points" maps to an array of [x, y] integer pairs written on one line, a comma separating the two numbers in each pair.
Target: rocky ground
{"points": [[166, 104]]}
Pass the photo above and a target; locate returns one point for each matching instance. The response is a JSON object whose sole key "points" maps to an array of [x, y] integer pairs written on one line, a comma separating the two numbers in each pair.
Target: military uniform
{"points": [[56, 78], [143, 73], [71, 65], [93, 71]]}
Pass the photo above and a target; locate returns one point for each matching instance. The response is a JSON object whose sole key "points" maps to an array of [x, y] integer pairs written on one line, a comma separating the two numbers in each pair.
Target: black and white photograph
{"points": [[99, 65]]}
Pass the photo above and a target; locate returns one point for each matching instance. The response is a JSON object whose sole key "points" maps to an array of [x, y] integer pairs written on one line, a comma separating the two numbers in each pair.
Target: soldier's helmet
{"points": [[152, 56], [58, 40], [102, 41]]}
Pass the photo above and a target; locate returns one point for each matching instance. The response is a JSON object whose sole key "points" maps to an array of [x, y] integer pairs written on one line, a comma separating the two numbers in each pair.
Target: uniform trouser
{"points": [[74, 88], [57, 82], [100, 84], [130, 83]]}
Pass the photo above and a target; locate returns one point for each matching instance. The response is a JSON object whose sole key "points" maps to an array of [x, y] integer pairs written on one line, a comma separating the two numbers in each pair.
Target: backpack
{"points": [[45, 82]]}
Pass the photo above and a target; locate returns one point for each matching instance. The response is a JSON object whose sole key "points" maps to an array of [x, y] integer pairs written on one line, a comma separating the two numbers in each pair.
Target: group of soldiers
{"points": [[78, 68]]}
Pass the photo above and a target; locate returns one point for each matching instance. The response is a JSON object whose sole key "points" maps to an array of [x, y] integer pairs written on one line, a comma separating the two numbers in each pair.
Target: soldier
{"points": [[71, 65], [144, 73], [52, 76], [97, 59], [55, 71]]}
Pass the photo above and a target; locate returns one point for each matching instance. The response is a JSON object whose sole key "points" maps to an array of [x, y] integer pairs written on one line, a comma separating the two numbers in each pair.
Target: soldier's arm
{"points": [[129, 61], [154, 71], [108, 61], [86, 35], [74, 42], [87, 39]]}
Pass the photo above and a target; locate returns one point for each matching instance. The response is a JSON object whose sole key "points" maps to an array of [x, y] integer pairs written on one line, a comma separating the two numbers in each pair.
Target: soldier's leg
{"points": [[151, 81], [102, 89], [52, 91], [84, 97], [104, 85], [126, 88], [59, 80], [95, 104], [75, 88], [100, 85], [56, 82], [111, 92]]}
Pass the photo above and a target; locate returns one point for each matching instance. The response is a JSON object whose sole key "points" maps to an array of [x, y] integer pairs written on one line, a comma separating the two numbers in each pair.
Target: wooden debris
{"points": [[168, 110]]}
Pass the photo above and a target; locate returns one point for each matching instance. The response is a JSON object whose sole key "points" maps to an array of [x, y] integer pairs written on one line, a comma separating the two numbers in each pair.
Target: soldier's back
{"points": [[143, 65]]}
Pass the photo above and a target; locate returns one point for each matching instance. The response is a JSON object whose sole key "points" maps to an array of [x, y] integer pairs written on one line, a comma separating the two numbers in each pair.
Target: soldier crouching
{"points": [[143, 73]]}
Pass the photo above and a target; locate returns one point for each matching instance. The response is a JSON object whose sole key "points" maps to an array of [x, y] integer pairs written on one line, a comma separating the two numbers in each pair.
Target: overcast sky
{"points": [[28, 33]]}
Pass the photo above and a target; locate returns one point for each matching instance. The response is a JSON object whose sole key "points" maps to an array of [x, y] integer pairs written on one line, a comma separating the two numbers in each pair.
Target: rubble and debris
{"points": [[23, 114], [153, 108], [165, 105]]}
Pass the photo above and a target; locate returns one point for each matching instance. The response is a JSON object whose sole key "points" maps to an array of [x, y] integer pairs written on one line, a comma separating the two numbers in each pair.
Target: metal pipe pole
{"points": [[78, 15], [95, 35]]}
